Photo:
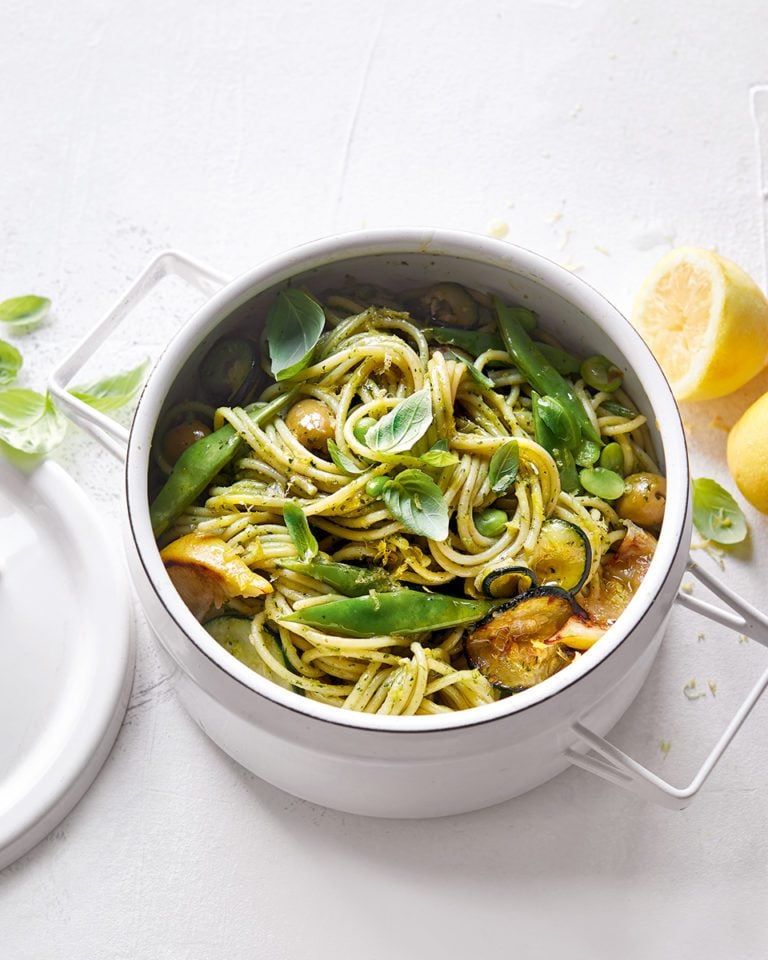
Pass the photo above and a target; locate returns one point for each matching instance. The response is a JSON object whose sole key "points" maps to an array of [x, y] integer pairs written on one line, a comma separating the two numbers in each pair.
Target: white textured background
{"points": [[601, 133]]}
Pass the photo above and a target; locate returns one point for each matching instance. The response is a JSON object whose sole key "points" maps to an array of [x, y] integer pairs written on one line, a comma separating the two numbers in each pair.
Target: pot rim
{"points": [[328, 251]]}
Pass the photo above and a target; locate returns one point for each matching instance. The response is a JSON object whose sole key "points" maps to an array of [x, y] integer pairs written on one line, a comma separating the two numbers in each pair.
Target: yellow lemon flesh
{"points": [[706, 322], [748, 453]]}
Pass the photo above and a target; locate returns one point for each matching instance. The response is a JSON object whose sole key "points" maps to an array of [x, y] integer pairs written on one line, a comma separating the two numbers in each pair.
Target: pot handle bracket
{"points": [[107, 431], [612, 764]]}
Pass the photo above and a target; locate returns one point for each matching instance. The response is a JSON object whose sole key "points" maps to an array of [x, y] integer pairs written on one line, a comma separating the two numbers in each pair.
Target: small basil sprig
{"points": [[559, 421], [504, 466], [112, 392], [716, 514], [10, 362], [398, 430], [439, 456], [24, 312], [29, 421], [415, 500], [475, 372], [294, 324], [345, 463], [298, 528]]}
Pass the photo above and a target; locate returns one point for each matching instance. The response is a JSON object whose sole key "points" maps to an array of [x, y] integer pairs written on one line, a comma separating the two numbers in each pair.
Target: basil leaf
{"points": [[29, 421], [111, 393], [504, 466], [298, 528], [716, 514], [477, 375], [415, 500], [24, 312], [20, 408], [398, 430], [559, 421], [345, 463], [618, 409], [10, 362], [439, 456], [294, 324]]}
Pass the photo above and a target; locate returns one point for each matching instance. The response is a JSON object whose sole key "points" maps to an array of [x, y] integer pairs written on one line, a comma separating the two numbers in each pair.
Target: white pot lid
{"points": [[66, 650]]}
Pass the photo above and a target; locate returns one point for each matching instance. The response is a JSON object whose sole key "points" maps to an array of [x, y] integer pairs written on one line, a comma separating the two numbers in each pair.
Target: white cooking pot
{"points": [[417, 766]]}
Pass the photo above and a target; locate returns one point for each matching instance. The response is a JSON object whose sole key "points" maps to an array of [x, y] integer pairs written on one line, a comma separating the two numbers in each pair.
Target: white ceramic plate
{"points": [[66, 651]]}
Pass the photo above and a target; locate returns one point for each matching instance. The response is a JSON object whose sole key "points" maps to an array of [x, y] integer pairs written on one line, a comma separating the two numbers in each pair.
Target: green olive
{"points": [[448, 304], [599, 373], [183, 435], [229, 370], [491, 522], [644, 499], [312, 423]]}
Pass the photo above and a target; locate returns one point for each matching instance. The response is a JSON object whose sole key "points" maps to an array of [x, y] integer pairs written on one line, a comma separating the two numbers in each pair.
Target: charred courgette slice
{"points": [[229, 370], [233, 633], [562, 556], [509, 647], [508, 582]]}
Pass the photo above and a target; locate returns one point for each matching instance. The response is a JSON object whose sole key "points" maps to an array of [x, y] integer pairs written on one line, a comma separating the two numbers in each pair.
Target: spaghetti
{"points": [[318, 452]]}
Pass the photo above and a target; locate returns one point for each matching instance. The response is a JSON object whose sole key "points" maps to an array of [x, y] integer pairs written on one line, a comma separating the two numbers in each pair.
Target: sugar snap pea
{"points": [[537, 369], [346, 578], [400, 612], [200, 462]]}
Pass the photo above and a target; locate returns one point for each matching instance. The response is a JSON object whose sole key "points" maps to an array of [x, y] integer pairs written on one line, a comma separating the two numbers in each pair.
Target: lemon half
{"points": [[706, 322]]}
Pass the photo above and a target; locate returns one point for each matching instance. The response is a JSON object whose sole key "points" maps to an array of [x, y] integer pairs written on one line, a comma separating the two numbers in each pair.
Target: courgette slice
{"points": [[229, 370], [506, 582], [510, 646], [562, 556], [234, 632]]}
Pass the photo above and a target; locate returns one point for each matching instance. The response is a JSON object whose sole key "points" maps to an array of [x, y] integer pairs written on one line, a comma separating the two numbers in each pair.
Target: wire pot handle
{"points": [[612, 764], [110, 434]]}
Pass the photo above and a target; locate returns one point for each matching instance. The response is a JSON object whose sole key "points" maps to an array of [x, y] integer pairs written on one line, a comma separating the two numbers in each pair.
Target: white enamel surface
{"points": [[601, 134], [66, 653]]}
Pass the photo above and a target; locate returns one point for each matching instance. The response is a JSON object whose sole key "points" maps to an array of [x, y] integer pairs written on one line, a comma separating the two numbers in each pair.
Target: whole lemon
{"points": [[748, 453]]}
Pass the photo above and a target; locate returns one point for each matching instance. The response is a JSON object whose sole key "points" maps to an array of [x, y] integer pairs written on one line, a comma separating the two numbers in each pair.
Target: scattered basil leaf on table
{"points": [[10, 362], [113, 392], [29, 421], [439, 456], [294, 324], [298, 528], [20, 407], [416, 501], [24, 312], [345, 463], [504, 466], [398, 430], [716, 514]]}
